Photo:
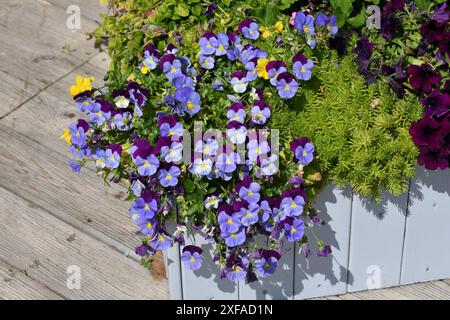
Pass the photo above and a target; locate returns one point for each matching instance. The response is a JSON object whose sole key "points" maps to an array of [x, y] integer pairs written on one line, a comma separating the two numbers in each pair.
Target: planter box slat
{"points": [[319, 276], [376, 242], [277, 286], [426, 256], [400, 241], [205, 283]]}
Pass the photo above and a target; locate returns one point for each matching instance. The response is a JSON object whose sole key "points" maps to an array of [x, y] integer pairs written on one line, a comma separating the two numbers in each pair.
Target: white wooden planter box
{"points": [[401, 241]]}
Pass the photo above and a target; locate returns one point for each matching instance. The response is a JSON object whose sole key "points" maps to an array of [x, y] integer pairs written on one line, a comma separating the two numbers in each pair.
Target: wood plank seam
{"points": [[349, 276], [24, 272], [43, 89], [404, 230]]}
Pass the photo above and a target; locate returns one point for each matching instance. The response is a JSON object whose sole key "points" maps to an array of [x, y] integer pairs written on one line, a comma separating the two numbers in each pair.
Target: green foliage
{"points": [[361, 132]]}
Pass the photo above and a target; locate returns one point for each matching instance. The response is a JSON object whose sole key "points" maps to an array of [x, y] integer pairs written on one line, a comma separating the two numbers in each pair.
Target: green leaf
{"points": [[182, 10], [357, 21]]}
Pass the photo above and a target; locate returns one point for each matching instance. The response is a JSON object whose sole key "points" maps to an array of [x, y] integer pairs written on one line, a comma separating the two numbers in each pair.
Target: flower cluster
{"points": [[425, 78], [230, 184], [307, 25]]}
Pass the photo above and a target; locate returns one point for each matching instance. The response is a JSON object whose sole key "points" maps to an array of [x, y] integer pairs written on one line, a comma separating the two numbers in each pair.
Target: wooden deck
{"points": [[51, 218]]}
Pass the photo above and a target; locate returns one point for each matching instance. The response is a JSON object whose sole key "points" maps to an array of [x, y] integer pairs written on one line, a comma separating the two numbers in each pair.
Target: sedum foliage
{"points": [[361, 132]]}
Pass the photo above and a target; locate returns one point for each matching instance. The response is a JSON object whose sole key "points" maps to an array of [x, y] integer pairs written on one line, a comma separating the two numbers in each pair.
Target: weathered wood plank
{"points": [[16, 285], [321, 276], [45, 247], [39, 49], [427, 228], [436, 290], [44, 178], [89, 9], [376, 242]]}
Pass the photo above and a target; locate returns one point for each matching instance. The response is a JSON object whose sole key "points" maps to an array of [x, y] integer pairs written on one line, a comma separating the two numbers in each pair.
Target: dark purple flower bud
{"points": [[324, 251], [142, 148], [115, 148], [234, 125], [144, 250], [236, 106], [239, 74], [441, 14], [166, 58], [245, 23], [306, 250], [299, 57], [105, 106], [364, 48], [83, 124], [246, 182], [275, 65], [210, 9], [192, 249]]}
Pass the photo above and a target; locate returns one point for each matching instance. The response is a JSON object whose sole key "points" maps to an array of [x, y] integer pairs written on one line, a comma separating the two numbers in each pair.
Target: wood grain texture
{"points": [[425, 255], [29, 170], [38, 49], [15, 284], [44, 247]]}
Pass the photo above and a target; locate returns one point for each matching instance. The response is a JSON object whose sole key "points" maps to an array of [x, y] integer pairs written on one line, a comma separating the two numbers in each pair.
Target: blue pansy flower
{"points": [[223, 44], [249, 216], [169, 177], [302, 67], [269, 166], [275, 68], [206, 62], [239, 81], [250, 194], [229, 223], [172, 153], [234, 239], [249, 29], [292, 207], [294, 231], [208, 43], [161, 242], [148, 166], [191, 257], [260, 112], [304, 23], [286, 85], [305, 155], [148, 228]]}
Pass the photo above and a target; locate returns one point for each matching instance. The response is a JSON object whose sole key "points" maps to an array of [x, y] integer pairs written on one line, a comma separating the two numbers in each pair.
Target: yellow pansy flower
{"points": [[261, 68], [66, 136], [265, 32], [279, 27], [82, 85], [144, 69]]}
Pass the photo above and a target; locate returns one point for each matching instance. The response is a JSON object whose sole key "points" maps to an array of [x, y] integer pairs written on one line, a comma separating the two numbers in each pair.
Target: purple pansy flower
{"points": [[260, 112], [112, 156], [249, 216], [122, 121], [250, 194], [264, 211], [269, 166], [295, 230], [249, 29], [161, 242], [217, 85], [239, 81], [304, 23], [305, 154], [302, 67], [293, 207], [191, 256], [226, 163], [189, 100], [171, 66], [236, 132], [208, 43], [137, 186], [236, 273], [236, 112], [234, 239], [267, 262], [172, 153], [148, 166], [223, 44], [257, 149], [201, 167], [229, 223], [148, 227], [206, 62], [169, 177], [85, 104], [286, 85], [274, 68]]}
